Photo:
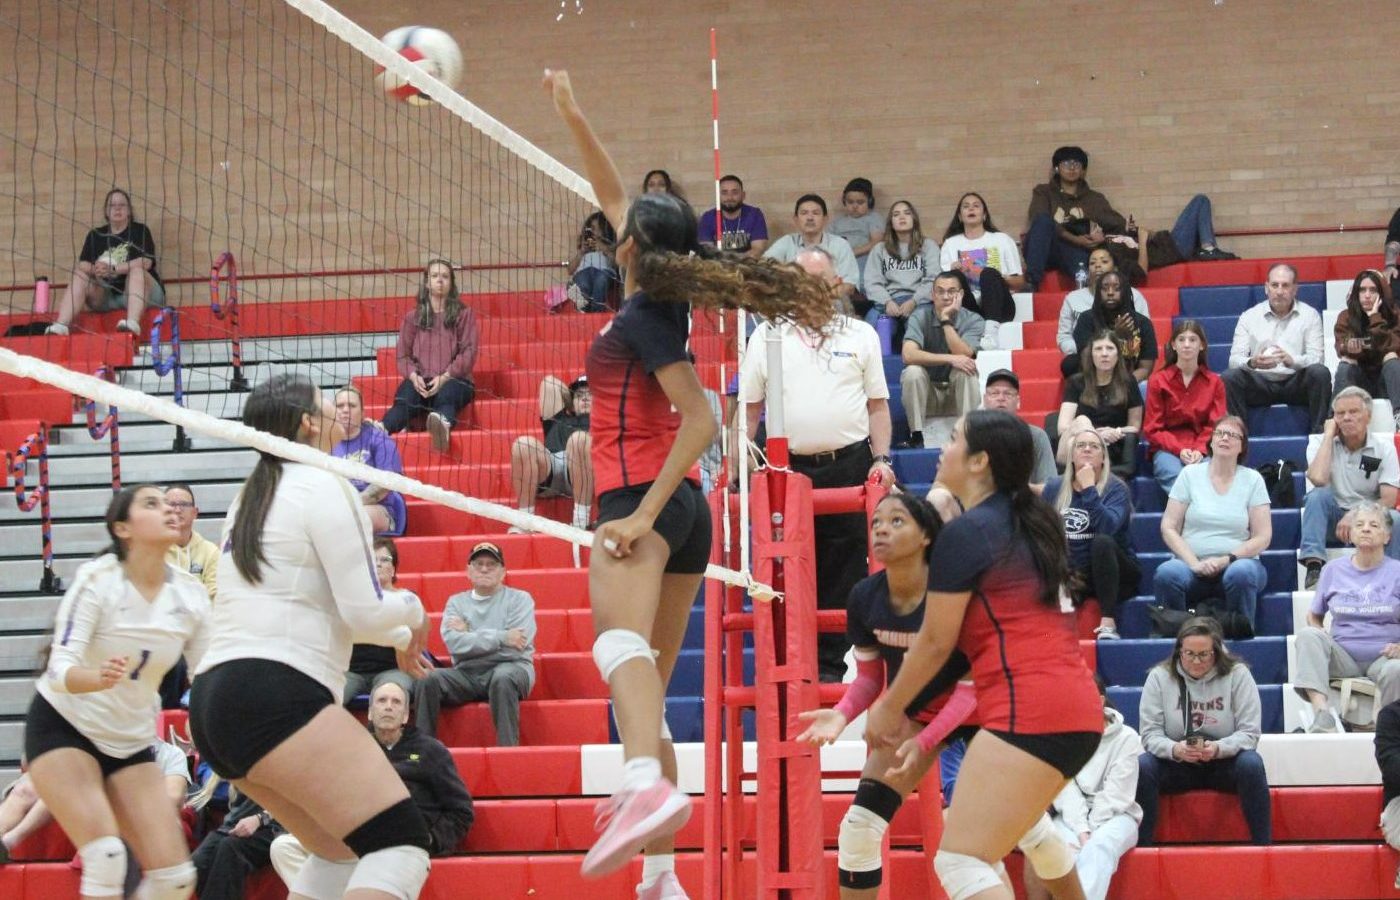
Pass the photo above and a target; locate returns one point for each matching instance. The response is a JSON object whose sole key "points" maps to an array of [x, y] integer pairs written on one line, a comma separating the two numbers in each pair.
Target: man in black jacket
{"points": [[427, 770]]}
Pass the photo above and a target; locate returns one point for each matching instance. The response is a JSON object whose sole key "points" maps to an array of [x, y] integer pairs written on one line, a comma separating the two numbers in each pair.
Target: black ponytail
{"points": [[276, 407], [1007, 442]]}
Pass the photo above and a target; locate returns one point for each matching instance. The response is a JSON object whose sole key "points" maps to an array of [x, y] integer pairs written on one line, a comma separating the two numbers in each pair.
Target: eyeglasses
{"points": [[1071, 164], [179, 504], [1193, 656], [1226, 433]]}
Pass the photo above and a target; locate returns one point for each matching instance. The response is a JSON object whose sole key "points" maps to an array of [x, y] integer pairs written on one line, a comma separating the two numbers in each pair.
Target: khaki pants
{"points": [[924, 398]]}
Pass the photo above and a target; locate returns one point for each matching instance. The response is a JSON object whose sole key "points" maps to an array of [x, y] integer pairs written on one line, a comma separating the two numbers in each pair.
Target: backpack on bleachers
{"points": [[1278, 478]]}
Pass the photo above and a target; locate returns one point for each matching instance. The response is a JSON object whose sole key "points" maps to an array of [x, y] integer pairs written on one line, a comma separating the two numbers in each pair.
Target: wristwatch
{"points": [[883, 458], [1232, 558]]}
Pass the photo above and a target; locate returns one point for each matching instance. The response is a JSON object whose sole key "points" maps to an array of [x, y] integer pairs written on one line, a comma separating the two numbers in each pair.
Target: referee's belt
{"points": [[830, 456]]}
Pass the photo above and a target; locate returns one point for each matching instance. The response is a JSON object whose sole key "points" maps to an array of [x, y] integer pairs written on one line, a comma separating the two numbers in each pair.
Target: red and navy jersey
{"points": [[633, 422], [872, 622], [1026, 665]]}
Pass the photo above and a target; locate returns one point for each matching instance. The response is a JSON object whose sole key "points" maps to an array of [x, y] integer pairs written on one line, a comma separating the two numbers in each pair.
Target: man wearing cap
{"points": [[562, 465], [490, 632]]}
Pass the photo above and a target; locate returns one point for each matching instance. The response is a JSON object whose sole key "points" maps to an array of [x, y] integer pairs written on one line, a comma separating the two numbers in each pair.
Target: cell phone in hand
{"points": [[1195, 741]]}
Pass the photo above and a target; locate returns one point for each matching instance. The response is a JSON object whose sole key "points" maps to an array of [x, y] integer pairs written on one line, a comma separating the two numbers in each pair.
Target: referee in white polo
{"points": [[836, 411]]}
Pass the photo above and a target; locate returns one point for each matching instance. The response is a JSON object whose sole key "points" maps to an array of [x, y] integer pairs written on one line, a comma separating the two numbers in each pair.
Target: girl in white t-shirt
{"points": [[127, 619], [988, 257]]}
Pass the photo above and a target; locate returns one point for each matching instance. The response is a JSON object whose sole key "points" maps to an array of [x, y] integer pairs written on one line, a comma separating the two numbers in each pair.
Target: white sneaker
{"points": [[130, 326], [439, 432], [57, 328], [989, 336], [577, 296]]}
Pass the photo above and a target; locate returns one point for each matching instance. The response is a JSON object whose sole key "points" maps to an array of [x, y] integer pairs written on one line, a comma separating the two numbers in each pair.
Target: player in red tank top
{"points": [[650, 424], [994, 593]]}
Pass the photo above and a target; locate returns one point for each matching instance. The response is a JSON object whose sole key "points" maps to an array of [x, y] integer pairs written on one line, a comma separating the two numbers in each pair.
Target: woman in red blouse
{"points": [[1184, 400], [437, 349]]}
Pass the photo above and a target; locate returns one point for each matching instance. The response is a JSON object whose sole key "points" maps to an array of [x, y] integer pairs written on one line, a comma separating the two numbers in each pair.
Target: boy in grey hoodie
{"points": [[1200, 722], [490, 632]]}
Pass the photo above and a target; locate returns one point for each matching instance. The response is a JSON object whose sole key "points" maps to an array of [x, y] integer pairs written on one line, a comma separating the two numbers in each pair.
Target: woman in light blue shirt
{"points": [[1216, 525]]}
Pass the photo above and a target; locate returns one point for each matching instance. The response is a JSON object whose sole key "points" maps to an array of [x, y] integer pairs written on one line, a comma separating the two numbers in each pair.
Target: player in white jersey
{"points": [[122, 625], [296, 587]]}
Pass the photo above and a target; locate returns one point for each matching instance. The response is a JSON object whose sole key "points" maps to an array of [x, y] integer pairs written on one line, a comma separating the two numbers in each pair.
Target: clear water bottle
{"points": [[1081, 276]]}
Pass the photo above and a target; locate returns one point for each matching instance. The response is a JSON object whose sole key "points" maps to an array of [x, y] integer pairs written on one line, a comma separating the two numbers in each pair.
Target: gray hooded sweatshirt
{"points": [[1223, 709]]}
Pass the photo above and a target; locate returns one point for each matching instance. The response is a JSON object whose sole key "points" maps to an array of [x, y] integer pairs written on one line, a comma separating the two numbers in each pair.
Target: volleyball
{"points": [[432, 50]]}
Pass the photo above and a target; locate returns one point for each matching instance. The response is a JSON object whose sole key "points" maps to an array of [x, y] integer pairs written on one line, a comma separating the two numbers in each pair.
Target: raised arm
{"points": [[597, 164]]}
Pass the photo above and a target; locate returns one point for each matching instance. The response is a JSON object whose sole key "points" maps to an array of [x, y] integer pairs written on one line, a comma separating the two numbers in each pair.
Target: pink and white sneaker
{"points": [[629, 820], [667, 887]]}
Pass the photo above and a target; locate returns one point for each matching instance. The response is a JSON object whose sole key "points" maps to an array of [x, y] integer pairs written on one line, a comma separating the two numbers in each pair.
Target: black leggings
{"points": [[996, 303], [451, 397], [1112, 574]]}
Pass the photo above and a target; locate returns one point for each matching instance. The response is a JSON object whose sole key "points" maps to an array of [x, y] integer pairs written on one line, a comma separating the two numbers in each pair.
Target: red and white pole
{"points": [[714, 120]]}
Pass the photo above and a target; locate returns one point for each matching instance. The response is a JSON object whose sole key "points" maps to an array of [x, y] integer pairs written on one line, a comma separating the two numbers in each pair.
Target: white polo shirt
{"points": [[1351, 484], [826, 383]]}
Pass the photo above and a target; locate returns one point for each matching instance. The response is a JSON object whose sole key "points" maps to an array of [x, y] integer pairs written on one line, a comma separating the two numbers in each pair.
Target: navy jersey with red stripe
{"points": [[633, 423], [872, 622], [1026, 664]]}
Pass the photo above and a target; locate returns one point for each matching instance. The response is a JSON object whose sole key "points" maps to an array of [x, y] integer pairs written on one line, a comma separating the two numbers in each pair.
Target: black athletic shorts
{"points": [[45, 729], [1067, 751], [241, 710], [684, 523]]}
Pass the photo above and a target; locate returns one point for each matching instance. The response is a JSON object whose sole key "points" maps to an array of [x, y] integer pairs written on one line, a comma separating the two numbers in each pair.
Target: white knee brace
{"points": [[618, 645], [310, 875], [104, 867], [858, 842], [1046, 850], [170, 883], [964, 876], [397, 871]]}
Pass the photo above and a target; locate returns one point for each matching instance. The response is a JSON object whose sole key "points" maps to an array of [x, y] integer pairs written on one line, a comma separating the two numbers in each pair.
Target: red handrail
{"points": [[228, 311], [37, 444]]}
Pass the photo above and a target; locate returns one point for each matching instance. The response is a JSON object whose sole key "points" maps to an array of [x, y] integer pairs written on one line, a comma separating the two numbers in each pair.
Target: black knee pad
{"points": [[401, 825], [878, 797]]}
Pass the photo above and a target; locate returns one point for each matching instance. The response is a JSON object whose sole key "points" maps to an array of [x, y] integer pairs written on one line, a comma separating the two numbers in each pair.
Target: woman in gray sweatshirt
{"points": [[899, 273], [1199, 720]]}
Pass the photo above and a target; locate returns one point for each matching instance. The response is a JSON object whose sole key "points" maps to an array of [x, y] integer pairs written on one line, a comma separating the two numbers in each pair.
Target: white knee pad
{"points": [[616, 646], [104, 867], [397, 871], [964, 876], [311, 875], [1046, 850], [858, 842], [170, 883]]}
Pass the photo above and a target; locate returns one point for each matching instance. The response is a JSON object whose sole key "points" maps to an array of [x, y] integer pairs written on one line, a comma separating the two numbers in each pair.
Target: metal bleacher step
{"points": [[19, 653], [196, 378], [161, 468], [305, 349], [136, 437], [91, 502], [22, 539], [11, 740], [28, 612], [15, 692]]}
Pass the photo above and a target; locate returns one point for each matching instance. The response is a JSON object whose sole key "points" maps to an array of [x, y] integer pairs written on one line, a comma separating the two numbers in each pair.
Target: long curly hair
{"points": [[672, 266]]}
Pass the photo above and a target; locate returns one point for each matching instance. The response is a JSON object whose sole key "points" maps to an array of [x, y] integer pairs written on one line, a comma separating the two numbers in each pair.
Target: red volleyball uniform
{"points": [[633, 422], [1026, 664]]}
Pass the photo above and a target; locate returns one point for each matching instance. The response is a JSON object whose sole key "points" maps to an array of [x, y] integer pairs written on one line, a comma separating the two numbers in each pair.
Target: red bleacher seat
{"points": [[543, 723], [520, 771]]}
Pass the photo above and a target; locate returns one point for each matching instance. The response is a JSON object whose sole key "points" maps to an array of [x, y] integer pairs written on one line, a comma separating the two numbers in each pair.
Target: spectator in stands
{"points": [[1216, 525], [370, 664], [233, 851], [1362, 592], [194, 553], [1096, 812], [116, 269], [899, 275], [366, 442], [595, 285], [1367, 335], [1078, 301], [1215, 749], [561, 465], [1137, 338], [988, 257], [1184, 400], [1349, 465], [1276, 354], [437, 350], [490, 632], [1392, 249], [861, 226], [658, 181], [838, 423], [809, 217], [1388, 760], [22, 813], [1068, 219], [427, 770], [1108, 403], [1097, 511], [940, 349], [744, 228]]}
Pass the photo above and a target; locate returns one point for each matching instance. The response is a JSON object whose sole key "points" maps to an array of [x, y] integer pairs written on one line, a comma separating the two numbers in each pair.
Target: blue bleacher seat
{"points": [[915, 465], [1281, 566], [1313, 293], [1126, 662], [1267, 449], [1218, 357], [1146, 530], [1279, 420], [1218, 300], [686, 717], [1274, 616], [1127, 700], [1220, 330]]}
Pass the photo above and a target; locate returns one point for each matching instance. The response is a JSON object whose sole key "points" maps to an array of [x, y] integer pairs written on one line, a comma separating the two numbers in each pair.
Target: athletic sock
{"points": [[582, 513], [640, 773], [654, 865]]}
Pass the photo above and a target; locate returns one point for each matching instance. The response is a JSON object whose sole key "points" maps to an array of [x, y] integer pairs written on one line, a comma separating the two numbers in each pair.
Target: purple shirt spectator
{"points": [[373, 447], [1365, 606], [739, 233]]}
